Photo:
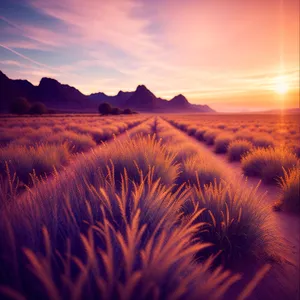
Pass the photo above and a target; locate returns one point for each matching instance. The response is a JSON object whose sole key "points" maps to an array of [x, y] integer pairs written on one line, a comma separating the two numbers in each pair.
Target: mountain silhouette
{"points": [[142, 99], [63, 97], [117, 100], [179, 101]]}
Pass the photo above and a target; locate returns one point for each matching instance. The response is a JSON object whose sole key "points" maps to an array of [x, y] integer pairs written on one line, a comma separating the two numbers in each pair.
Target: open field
{"points": [[47, 142], [150, 207]]}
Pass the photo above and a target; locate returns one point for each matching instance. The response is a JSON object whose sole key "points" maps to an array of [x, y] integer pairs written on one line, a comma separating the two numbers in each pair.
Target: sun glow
{"points": [[281, 87]]}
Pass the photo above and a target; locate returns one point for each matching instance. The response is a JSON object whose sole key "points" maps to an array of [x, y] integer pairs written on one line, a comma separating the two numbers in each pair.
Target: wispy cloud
{"points": [[26, 57], [205, 49]]}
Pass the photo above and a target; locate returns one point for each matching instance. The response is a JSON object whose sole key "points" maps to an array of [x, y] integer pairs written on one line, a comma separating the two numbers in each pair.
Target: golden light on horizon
{"points": [[281, 86]]}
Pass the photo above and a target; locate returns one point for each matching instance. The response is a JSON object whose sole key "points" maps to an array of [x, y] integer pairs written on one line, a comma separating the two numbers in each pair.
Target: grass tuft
{"points": [[268, 163], [222, 142], [237, 149], [289, 183], [240, 225]]}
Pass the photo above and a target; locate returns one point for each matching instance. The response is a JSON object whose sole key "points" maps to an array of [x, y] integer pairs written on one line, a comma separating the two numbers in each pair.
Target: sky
{"points": [[233, 55]]}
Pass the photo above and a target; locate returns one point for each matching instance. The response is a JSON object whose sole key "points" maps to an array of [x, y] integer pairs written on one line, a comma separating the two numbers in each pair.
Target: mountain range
{"points": [[66, 98]]}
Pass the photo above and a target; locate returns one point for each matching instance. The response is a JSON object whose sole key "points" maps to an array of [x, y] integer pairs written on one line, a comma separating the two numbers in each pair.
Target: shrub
{"points": [[142, 154], [127, 111], [222, 141], [295, 147], [116, 111], [239, 222], [38, 108], [289, 183], [77, 142], [191, 130], [263, 141], [268, 163], [40, 158], [244, 135], [199, 134], [209, 136], [221, 126], [20, 106], [237, 149], [197, 169], [105, 108]]}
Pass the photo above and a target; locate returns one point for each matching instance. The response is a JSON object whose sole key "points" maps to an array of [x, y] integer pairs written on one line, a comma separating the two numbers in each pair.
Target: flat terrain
{"points": [[102, 207]]}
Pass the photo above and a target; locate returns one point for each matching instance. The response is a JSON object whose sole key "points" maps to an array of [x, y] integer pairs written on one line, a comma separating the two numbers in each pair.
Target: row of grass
{"points": [[273, 164], [221, 135], [117, 224], [50, 132], [41, 151], [240, 225]]}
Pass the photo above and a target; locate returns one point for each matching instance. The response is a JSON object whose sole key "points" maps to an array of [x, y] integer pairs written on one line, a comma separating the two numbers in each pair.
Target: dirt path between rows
{"points": [[283, 280]]}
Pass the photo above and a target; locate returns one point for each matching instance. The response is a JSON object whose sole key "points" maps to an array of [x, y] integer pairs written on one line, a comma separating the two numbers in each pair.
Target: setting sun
{"points": [[281, 87]]}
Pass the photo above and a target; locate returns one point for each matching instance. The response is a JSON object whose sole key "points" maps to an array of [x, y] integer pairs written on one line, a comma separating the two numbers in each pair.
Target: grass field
{"points": [[149, 207]]}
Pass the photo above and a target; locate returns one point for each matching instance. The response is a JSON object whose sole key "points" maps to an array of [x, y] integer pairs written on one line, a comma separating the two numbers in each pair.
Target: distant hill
{"points": [[278, 111], [49, 91], [117, 100], [67, 98], [143, 99]]}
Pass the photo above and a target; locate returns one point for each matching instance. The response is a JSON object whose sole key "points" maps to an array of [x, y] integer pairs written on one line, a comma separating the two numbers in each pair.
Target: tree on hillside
{"points": [[127, 111], [20, 106], [38, 108], [116, 111], [105, 108]]}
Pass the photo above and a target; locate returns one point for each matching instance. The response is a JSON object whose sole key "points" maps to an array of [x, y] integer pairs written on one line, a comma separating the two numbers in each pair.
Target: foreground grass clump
{"points": [[268, 163], [290, 198], [103, 243], [237, 149], [222, 142], [41, 159], [240, 225]]}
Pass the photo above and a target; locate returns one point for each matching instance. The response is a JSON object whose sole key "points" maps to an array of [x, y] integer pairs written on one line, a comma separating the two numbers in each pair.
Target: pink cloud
{"points": [[103, 21]]}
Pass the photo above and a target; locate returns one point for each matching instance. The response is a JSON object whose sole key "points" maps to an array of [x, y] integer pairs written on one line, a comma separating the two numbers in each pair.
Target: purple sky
{"points": [[233, 54]]}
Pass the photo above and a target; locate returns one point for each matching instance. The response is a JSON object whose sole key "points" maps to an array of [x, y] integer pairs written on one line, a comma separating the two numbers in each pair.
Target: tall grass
{"points": [[222, 142], [86, 238], [240, 225], [210, 136], [290, 187], [268, 163], [40, 158], [77, 142], [34, 147], [263, 141], [199, 169], [115, 225], [237, 149], [142, 154]]}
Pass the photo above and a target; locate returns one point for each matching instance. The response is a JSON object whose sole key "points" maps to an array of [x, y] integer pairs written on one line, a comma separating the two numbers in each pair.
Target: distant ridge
{"points": [[278, 111], [67, 98]]}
